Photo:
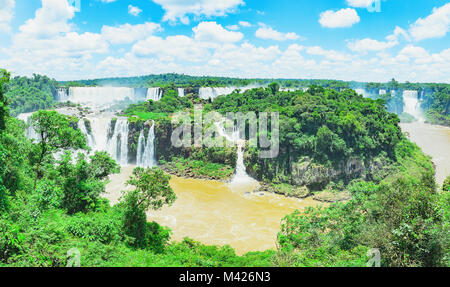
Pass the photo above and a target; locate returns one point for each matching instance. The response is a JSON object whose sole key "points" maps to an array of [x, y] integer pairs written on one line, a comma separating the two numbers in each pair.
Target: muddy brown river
{"points": [[214, 212], [435, 142]]}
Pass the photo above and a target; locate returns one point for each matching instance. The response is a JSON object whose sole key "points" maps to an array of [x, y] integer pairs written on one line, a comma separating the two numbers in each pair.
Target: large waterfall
{"points": [[154, 94], [98, 97], [362, 92], [118, 143], [145, 154], [412, 105], [212, 93]]}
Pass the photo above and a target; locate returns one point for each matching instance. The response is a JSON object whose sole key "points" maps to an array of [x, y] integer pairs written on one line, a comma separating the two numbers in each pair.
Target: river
{"points": [[434, 140], [217, 213]]}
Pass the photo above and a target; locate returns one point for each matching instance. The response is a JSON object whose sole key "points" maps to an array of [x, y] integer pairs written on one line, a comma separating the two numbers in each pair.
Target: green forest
{"points": [[50, 205]]}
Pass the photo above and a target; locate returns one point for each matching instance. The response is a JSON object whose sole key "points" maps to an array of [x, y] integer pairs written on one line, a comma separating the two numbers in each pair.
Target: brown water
{"points": [[435, 142], [216, 213]]}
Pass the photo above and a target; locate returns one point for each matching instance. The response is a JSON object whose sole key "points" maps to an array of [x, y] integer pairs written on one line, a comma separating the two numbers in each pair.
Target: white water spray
{"points": [[412, 105]]}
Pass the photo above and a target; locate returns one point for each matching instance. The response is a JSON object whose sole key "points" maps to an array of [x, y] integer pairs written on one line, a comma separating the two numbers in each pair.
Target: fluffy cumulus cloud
{"points": [[127, 34], [435, 25], [181, 9], [48, 43], [266, 32], [339, 19], [213, 32], [6, 14], [368, 44], [133, 10]]}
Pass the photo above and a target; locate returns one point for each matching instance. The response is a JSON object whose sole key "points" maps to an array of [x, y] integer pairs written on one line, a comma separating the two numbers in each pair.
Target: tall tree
{"points": [[55, 134], [152, 191]]}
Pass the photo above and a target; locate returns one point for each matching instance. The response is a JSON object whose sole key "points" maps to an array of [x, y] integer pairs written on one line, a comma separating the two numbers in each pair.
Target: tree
{"points": [[83, 182], [152, 191], [55, 134], [274, 88], [4, 78]]}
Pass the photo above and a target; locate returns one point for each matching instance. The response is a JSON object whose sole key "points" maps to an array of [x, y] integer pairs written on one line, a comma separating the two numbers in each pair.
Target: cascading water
{"points": [[154, 94], [89, 137], [30, 132], [412, 105], [118, 143], [212, 93], [362, 92], [99, 97], [63, 95], [181, 92], [240, 176], [145, 156]]}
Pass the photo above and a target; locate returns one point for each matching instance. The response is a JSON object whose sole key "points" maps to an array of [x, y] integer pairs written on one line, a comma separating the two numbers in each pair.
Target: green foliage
{"points": [[152, 191], [168, 104], [4, 78], [82, 182], [198, 168], [438, 105], [55, 133], [30, 94]]}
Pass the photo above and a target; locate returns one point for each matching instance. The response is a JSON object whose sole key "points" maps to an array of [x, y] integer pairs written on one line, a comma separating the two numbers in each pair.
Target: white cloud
{"points": [[266, 32], [213, 32], [368, 44], [173, 48], [339, 19], [233, 27], [127, 34], [360, 3], [6, 14], [329, 54], [435, 25], [133, 10], [180, 9], [245, 24], [48, 44]]}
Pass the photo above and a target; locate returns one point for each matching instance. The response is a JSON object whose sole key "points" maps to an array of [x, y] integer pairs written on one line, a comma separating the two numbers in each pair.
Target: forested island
{"points": [[336, 146]]}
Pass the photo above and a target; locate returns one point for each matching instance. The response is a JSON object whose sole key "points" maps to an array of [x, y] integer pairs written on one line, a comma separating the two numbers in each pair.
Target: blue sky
{"points": [[334, 39]]}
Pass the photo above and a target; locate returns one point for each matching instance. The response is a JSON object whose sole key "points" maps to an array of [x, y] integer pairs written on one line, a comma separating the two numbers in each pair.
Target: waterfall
{"points": [[240, 175], [180, 92], [145, 153], [362, 92], [89, 137], [212, 93], [30, 132], [382, 92], [154, 94], [99, 97], [63, 95], [140, 149], [118, 143], [412, 105]]}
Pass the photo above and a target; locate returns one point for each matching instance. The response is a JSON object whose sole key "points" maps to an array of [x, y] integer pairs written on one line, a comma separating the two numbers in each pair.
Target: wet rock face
{"points": [[305, 172]]}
